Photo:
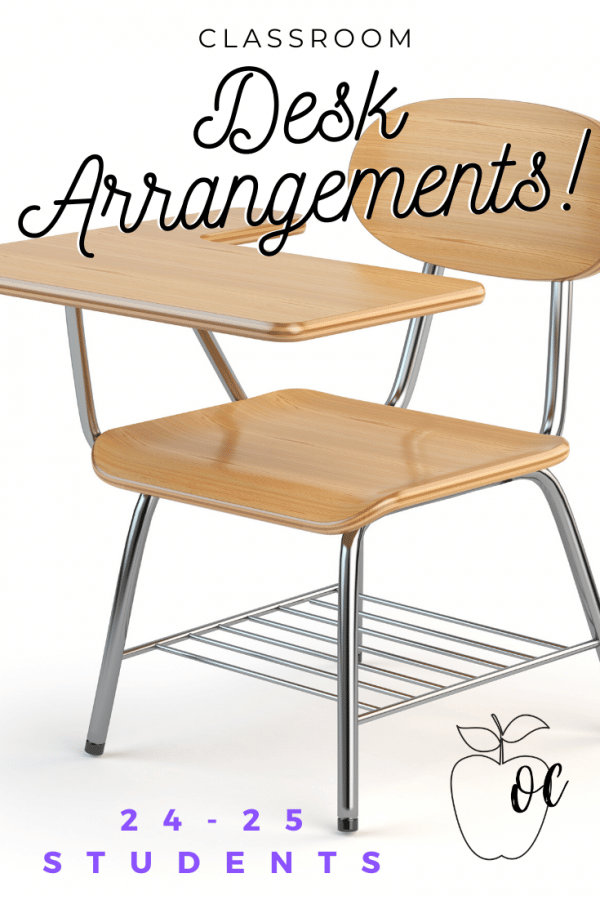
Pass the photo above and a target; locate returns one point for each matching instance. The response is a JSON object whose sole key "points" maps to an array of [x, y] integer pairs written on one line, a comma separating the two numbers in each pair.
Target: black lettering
{"points": [[374, 31], [202, 33], [517, 786], [420, 189], [322, 194], [294, 38], [315, 39], [110, 182], [378, 108], [378, 180], [287, 219], [350, 42], [236, 183], [69, 201], [202, 218], [537, 162], [459, 171], [405, 37], [251, 40], [230, 134], [227, 44], [150, 182], [547, 788], [500, 165], [271, 35], [293, 116], [342, 92]]}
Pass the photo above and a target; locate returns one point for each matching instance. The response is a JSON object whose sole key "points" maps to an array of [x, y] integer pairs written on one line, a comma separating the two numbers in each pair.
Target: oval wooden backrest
{"points": [[548, 244]]}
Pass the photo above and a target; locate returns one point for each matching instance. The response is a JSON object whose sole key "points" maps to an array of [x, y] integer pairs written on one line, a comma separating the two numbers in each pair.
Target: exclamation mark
{"points": [[577, 166]]}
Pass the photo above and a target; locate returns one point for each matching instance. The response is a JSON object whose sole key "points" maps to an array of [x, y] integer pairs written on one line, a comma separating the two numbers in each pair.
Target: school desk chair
{"points": [[332, 465]]}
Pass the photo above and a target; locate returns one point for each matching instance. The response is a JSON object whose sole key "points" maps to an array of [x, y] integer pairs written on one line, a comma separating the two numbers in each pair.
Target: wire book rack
{"points": [[405, 659]]}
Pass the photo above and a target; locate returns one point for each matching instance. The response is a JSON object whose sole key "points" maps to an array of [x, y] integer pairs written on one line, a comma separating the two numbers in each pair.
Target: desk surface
{"points": [[177, 278]]}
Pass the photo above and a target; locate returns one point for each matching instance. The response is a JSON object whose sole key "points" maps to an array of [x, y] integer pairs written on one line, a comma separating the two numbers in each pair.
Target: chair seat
{"points": [[315, 461]]}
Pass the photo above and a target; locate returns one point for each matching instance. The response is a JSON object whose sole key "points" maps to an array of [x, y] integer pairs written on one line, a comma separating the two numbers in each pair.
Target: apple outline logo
{"points": [[503, 789]]}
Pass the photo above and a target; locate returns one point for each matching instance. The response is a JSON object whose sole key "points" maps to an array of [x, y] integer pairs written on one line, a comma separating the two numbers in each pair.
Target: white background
{"points": [[129, 80]]}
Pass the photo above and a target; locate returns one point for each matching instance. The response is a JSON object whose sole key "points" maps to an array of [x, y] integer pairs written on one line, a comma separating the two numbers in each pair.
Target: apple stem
{"points": [[500, 733]]}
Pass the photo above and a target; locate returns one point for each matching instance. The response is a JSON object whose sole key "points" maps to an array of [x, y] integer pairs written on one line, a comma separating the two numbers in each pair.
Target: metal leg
{"points": [[573, 545], [360, 589], [350, 567], [119, 622]]}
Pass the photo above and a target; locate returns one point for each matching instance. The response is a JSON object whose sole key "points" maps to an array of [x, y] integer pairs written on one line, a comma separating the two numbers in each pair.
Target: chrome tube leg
{"points": [[119, 622], [360, 588], [347, 702], [573, 545]]}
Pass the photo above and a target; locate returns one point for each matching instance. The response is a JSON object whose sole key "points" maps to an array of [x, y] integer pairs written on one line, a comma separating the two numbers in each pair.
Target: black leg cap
{"points": [[347, 825], [94, 749]]}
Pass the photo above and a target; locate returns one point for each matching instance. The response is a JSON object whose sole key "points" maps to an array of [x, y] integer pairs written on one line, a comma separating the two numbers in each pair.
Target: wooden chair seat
{"points": [[315, 461]]}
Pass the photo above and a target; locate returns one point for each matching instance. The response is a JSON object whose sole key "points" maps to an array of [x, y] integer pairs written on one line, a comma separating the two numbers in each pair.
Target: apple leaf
{"points": [[521, 726], [481, 739]]}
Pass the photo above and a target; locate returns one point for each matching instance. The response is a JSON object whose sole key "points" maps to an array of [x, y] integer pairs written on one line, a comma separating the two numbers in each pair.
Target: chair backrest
{"points": [[558, 241]]}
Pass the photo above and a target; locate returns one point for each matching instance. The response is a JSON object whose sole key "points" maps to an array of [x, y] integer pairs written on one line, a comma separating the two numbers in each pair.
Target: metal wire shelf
{"points": [[402, 679]]}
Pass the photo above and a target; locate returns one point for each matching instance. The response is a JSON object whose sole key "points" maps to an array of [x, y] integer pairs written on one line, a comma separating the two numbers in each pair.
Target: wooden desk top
{"points": [[177, 278]]}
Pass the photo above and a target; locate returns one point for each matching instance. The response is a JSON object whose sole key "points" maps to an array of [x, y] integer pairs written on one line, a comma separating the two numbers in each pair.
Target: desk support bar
{"points": [[81, 374], [412, 353], [219, 363]]}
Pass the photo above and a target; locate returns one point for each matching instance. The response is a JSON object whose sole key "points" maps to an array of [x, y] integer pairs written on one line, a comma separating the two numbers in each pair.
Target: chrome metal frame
{"points": [[218, 361], [343, 624], [352, 623], [81, 374], [412, 353], [119, 623], [347, 666], [573, 545], [249, 627], [83, 382], [559, 352]]}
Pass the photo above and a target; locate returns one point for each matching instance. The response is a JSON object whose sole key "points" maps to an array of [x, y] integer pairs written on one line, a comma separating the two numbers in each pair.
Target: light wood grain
{"points": [[548, 244], [174, 277], [315, 461], [236, 231]]}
